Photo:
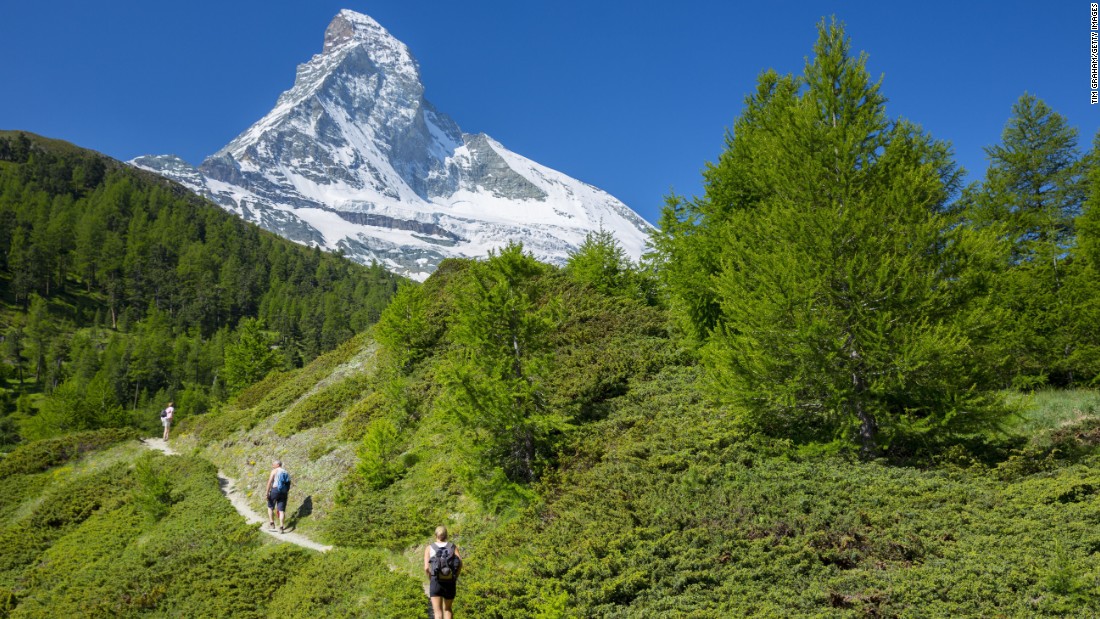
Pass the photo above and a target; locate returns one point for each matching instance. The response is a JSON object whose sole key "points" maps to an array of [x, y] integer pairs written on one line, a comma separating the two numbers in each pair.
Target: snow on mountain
{"points": [[354, 158]]}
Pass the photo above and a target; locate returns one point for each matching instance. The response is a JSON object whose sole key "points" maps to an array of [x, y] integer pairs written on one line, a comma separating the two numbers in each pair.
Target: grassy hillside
{"points": [[297, 416], [648, 500], [654, 503], [121, 532]]}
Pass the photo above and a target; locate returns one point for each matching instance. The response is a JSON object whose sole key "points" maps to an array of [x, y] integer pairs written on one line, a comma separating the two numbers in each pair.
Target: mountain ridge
{"points": [[354, 158]]}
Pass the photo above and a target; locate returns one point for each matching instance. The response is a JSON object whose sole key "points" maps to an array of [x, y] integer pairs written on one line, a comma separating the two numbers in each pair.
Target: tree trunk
{"points": [[868, 427]]}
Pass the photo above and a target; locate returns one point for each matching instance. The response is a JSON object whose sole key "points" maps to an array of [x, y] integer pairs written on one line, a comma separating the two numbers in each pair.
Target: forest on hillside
{"points": [[120, 291], [843, 383]]}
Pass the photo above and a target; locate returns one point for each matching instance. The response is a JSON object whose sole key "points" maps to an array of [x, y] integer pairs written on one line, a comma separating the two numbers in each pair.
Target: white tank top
{"points": [[433, 546]]}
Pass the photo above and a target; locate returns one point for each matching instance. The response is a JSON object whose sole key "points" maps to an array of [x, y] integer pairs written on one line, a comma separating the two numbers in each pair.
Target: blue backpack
{"points": [[281, 483]]}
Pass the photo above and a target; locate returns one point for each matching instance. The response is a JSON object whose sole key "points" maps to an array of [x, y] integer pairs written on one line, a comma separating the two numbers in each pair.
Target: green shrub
{"points": [[153, 494], [662, 510], [90, 547], [394, 517], [252, 395], [15, 489], [61, 508], [8, 602], [377, 464], [350, 583], [360, 414], [316, 452], [41, 455], [322, 406], [219, 424], [199, 559]]}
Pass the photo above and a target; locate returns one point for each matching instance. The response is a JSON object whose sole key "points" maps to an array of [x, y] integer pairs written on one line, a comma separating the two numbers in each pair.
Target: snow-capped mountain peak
{"points": [[354, 158], [351, 28]]}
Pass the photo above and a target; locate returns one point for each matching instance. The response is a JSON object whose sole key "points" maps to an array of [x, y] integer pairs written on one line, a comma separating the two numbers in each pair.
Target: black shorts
{"points": [[277, 501], [445, 589]]}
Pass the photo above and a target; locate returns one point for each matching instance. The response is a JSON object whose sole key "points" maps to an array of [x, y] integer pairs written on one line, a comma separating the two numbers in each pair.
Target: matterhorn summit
{"points": [[354, 158]]}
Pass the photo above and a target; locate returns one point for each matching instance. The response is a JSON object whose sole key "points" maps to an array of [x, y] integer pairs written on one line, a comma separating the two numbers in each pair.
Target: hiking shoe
{"points": [[271, 525], [282, 530]]}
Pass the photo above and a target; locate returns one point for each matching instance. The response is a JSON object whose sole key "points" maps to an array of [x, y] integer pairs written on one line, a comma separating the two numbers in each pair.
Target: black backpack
{"points": [[445, 565]]}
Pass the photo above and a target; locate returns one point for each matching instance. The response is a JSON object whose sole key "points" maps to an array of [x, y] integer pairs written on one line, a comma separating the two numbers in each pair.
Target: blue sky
{"points": [[631, 96]]}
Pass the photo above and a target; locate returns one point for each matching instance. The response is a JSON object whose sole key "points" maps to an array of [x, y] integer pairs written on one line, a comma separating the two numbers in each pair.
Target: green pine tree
{"points": [[839, 283], [690, 243], [1082, 295], [1030, 197], [602, 263], [40, 330], [494, 380], [249, 357]]}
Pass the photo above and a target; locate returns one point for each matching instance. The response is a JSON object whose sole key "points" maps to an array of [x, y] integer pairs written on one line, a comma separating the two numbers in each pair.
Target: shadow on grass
{"points": [[304, 511], [1011, 454]]}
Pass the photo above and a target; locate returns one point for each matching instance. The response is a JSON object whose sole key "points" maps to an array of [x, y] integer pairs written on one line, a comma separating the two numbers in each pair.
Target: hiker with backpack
{"points": [[166, 419], [278, 485], [442, 564]]}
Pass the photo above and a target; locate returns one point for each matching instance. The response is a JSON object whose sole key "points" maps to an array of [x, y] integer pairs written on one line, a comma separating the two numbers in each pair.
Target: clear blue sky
{"points": [[631, 96]]}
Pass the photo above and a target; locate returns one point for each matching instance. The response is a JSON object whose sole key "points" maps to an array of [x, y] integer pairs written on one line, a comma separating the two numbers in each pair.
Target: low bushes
{"points": [[664, 513], [41, 455], [350, 583], [323, 405]]}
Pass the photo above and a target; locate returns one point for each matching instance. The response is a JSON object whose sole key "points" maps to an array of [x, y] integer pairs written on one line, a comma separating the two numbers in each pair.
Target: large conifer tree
{"points": [[837, 283], [494, 380]]}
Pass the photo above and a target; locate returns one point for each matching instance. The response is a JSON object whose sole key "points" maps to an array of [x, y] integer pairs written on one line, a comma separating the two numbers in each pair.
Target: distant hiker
{"points": [[278, 485], [442, 564], [166, 418]]}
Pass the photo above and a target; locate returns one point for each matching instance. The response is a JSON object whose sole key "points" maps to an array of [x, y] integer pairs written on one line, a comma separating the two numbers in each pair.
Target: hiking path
{"points": [[229, 488]]}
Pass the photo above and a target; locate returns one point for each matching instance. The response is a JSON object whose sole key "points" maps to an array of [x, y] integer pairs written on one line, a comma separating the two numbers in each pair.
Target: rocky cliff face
{"points": [[354, 158]]}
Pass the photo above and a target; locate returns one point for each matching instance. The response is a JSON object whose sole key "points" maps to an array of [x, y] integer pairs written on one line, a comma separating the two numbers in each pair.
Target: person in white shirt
{"points": [[277, 490], [166, 419]]}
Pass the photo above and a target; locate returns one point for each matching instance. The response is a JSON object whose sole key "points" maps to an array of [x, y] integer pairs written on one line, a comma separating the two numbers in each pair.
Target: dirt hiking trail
{"points": [[240, 503]]}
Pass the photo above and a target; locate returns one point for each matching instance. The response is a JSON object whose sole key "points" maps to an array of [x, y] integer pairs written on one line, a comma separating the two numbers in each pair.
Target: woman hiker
{"points": [[166, 419], [442, 588]]}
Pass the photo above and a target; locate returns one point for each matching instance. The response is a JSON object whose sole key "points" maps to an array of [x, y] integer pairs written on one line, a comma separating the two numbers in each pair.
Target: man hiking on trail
{"points": [[166, 419], [442, 564], [278, 485]]}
